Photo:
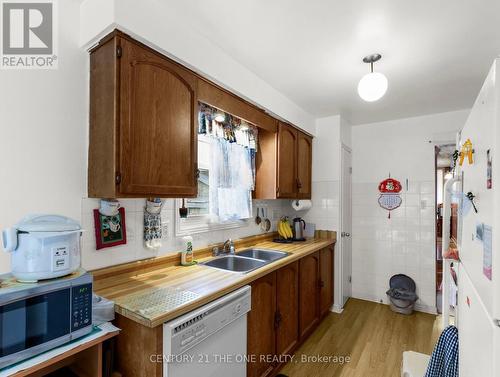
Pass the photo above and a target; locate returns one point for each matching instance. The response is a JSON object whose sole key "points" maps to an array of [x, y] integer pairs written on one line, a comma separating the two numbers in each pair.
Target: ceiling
{"points": [[435, 54]]}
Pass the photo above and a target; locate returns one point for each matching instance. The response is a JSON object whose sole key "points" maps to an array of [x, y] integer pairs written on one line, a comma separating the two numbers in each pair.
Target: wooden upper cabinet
{"points": [[304, 165], [308, 294], [287, 312], [284, 164], [287, 161], [261, 326], [326, 263], [158, 108], [143, 123]]}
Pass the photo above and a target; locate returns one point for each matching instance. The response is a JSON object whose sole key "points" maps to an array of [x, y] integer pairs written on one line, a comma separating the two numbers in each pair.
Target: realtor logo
{"points": [[28, 35]]}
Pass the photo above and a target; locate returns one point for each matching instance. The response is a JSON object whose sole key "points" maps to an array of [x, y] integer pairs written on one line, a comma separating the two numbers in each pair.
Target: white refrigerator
{"points": [[478, 305]]}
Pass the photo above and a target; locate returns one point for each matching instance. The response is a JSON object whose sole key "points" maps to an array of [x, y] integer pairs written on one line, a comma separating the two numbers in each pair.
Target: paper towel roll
{"points": [[300, 205]]}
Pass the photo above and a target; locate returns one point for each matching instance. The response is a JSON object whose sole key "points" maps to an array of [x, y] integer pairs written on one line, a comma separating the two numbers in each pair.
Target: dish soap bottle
{"points": [[187, 252]]}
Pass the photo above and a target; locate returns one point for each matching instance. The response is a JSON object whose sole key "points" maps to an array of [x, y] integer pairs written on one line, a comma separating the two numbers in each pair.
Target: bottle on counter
{"points": [[187, 251]]}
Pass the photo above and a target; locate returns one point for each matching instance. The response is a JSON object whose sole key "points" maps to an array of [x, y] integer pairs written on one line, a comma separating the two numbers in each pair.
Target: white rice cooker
{"points": [[43, 247]]}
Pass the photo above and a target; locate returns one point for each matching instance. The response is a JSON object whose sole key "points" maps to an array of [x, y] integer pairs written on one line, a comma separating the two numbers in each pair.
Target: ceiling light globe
{"points": [[372, 86]]}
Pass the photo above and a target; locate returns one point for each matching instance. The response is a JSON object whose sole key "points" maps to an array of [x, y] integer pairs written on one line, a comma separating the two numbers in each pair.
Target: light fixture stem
{"points": [[371, 65]]}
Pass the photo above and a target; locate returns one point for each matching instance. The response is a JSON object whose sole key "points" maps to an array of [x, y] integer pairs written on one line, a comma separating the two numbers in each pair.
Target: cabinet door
{"points": [[287, 296], [287, 160], [326, 263], [308, 294], [158, 139], [261, 325], [304, 165]]}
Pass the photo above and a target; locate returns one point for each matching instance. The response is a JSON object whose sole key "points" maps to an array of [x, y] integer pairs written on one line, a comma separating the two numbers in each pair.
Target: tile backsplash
{"points": [[134, 249], [325, 212], [383, 247]]}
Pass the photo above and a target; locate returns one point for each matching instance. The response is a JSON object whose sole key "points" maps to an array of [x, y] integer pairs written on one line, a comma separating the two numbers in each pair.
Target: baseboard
{"points": [[336, 309], [418, 307], [426, 309]]}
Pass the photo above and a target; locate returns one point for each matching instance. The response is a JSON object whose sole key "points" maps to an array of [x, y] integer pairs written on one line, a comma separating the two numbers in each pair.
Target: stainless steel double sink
{"points": [[246, 260]]}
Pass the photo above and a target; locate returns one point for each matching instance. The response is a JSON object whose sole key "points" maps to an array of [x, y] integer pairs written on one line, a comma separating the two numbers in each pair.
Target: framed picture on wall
{"points": [[110, 230]]}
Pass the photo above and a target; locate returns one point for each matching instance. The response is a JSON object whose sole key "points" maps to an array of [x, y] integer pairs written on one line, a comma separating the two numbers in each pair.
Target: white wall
{"points": [[330, 133], [156, 24], [43, 132], [383, 247]]}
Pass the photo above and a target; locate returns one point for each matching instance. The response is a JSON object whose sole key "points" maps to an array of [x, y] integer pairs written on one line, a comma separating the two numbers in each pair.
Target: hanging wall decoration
{"points": [[109, 225], [389, 194], [489, 170], [466, 151]]}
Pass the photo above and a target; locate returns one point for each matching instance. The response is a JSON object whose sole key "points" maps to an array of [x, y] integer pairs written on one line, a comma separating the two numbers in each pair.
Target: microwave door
{"points": [[33, 325]]}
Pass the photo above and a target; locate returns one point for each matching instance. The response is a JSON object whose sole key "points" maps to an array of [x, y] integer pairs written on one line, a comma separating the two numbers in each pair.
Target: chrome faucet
{"points": [[227, 248]]}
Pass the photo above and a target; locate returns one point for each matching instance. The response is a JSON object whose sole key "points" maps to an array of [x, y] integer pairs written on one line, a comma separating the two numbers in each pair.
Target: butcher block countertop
{"points": [[155, 291]]}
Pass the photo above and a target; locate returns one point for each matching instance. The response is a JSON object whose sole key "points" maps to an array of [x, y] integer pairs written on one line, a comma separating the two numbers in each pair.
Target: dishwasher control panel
{"points": [[187, 331]]}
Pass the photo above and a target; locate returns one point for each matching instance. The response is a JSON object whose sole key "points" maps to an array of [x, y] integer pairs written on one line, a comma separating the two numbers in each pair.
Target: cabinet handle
{"points": [[299, 184], [118, 178], [197, 173], [321, 283], [277, 319]]}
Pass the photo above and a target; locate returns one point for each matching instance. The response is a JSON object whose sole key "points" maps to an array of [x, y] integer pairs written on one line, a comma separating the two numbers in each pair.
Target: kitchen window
{"points": [[226, 163]]}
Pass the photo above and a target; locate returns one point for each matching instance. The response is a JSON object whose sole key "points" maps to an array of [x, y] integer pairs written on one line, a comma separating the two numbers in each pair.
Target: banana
{"points": [[284, 228], [288, 229], [281, 231]]}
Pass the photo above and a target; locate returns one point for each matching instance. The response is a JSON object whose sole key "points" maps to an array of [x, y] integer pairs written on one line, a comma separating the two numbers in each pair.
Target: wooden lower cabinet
{"points": [[309, 284], [260, 326], [287, 305], [287, 309], [326, 268]]}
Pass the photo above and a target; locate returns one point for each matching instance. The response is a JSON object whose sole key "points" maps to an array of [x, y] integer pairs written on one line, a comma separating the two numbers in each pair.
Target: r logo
{"points": [[27, 28]]}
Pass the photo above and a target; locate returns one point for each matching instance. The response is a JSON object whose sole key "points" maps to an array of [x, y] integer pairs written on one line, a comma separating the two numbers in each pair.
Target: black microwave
{"points": [[36, 317]]}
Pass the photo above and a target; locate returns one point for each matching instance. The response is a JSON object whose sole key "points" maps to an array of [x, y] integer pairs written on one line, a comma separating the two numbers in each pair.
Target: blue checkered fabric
{"points": [[444, 358]]}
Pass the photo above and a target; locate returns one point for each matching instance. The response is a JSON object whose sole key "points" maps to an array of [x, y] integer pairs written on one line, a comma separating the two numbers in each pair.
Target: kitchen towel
{"points": [[444, 358], [301, 205]]}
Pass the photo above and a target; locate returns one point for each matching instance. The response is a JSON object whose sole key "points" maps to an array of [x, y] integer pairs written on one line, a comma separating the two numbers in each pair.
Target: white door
{"points": [[346, 224]]}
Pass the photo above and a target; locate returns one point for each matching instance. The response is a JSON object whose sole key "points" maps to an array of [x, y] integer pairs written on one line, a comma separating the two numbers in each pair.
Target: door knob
{"points": [[348, 234]]}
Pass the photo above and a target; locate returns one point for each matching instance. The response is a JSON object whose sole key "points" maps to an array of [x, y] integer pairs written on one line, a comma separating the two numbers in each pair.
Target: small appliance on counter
{"points": [[37, 317], [43, 247], [299, 226]]}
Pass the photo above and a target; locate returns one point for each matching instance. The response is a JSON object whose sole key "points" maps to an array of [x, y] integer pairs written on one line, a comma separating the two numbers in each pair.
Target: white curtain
{"points": [[230, 181]]}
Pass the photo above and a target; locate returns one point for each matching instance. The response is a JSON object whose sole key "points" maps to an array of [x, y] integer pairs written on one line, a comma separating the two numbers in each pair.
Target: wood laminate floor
{"points": [[371, 335]]}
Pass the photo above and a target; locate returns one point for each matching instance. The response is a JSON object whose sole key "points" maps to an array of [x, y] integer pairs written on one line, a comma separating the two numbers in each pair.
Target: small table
{"points": [[84, 360]]}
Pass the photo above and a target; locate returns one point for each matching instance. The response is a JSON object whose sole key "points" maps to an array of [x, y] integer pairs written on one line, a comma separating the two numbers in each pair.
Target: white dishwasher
{"points": [[209, 341]]}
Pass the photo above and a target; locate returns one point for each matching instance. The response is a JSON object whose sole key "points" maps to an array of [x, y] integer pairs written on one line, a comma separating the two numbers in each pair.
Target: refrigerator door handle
{"points": [[445, 245]]}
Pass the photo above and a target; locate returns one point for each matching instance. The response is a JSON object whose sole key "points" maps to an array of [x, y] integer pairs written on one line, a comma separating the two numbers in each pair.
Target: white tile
{"points": [[427, 187], [413, 186], [412, 199]]}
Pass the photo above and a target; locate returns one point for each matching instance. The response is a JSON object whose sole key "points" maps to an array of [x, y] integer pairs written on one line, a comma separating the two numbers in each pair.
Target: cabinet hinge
{"points": [[350, 279], [118, 178], [119, 52]]}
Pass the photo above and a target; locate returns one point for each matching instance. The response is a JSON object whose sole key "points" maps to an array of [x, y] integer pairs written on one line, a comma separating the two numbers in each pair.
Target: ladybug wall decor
{"points": [[389, 198]]}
